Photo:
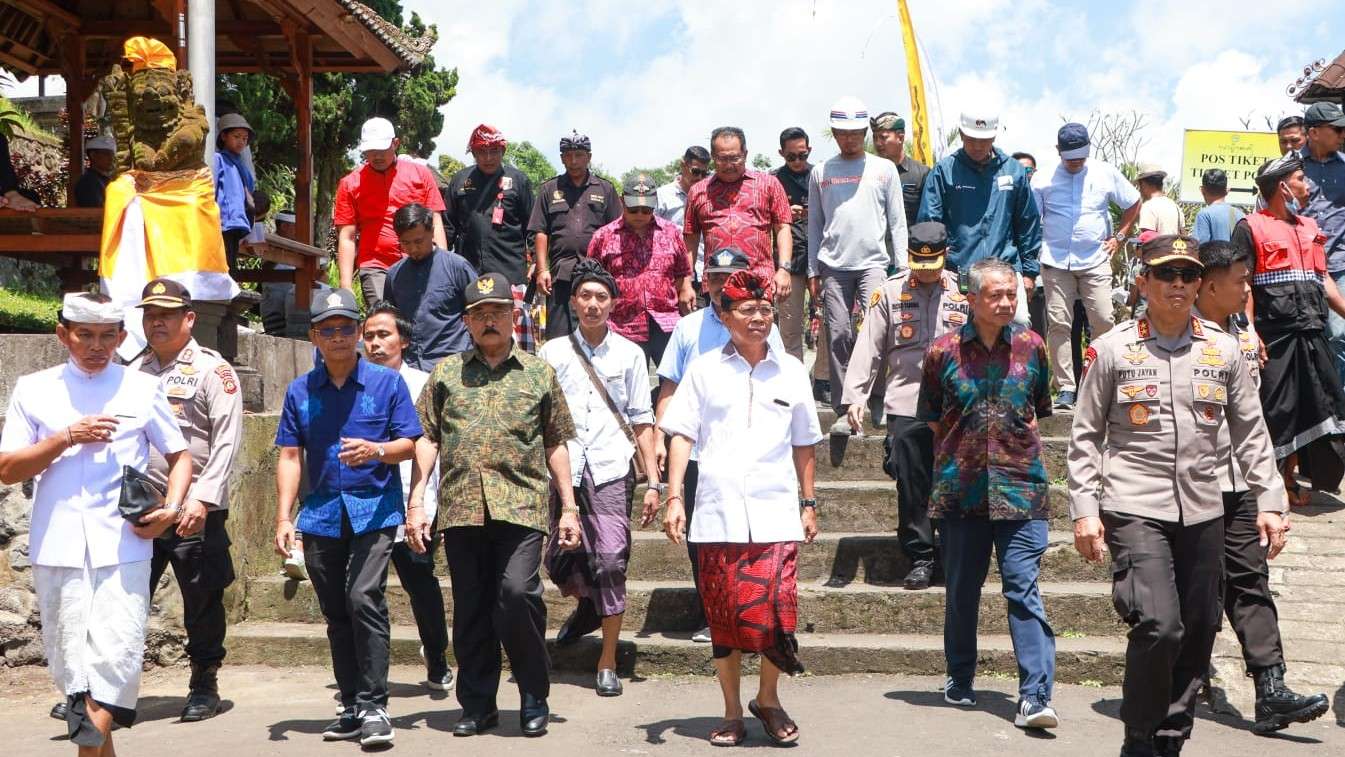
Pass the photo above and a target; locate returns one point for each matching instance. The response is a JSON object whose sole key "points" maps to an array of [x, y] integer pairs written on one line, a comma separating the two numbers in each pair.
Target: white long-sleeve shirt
{"points": [[853, 207]]}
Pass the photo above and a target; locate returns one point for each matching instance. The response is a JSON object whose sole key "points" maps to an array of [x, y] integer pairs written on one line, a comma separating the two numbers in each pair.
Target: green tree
{"points": [[528, 159], [341, 104], [601, 174], [761, 162], [449, 165]]}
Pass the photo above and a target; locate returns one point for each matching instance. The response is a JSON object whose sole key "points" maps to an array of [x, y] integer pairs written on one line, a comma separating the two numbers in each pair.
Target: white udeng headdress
{"points": [[80, 307]]}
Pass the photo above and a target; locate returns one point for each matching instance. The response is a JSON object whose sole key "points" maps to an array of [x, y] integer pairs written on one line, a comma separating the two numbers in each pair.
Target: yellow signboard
{"points": [[1237, 153]]}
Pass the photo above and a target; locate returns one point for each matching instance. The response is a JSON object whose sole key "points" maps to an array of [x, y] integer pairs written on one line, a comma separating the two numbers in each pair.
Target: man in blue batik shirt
{"points": [[350, 422]]}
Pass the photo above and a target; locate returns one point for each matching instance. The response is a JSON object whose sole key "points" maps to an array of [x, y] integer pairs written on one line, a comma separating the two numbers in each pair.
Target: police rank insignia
{"points": [[1139, 414], [1196, 328], [1142, 328], [1212, 357]]}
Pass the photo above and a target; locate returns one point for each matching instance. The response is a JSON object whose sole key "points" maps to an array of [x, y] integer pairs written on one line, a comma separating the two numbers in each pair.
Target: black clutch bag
{"points": [[139, 494]]}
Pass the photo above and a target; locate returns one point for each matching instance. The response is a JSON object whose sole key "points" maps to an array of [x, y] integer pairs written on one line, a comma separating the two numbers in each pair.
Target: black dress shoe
{"points": [[473, 725], [58, 712], [533, 716], [919, 578], [583, 621]]}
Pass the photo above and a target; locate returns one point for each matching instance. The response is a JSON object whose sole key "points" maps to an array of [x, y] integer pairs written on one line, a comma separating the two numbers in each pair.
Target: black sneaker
{"points": [[375, 728], [347, 726]]}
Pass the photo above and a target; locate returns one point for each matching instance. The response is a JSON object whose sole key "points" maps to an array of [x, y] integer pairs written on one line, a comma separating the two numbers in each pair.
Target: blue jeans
{"points": [[1335, 330], [1018, 545]]}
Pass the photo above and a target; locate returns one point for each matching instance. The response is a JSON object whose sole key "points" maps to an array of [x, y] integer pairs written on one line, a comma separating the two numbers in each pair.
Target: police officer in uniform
{"points": [[1143, 482], [569, 208], [905, 315], [208, 404], [1248, 602]]}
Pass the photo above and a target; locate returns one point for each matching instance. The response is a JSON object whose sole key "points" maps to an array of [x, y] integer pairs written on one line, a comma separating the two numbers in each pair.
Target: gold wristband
{"points": [[571, 509]]}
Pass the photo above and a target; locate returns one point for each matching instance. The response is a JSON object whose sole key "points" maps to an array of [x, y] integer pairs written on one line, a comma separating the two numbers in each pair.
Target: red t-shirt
{"points": [[367, 199], [739, 214]]}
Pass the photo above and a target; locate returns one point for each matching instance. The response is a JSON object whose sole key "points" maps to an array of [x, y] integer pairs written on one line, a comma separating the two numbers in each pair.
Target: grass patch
{"points": [[28, 313], [1072, 635]]}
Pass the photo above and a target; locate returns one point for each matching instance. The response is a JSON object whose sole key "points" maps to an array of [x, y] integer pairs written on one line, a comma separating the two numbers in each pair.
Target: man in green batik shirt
{"points": [[495, 418]]}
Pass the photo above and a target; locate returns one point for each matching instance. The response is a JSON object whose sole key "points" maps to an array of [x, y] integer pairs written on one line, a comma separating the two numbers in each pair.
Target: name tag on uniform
{"points": [[1004, 182]]}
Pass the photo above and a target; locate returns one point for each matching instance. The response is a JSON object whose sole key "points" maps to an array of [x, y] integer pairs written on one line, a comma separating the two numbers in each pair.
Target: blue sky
{"points": [[646, 79]]}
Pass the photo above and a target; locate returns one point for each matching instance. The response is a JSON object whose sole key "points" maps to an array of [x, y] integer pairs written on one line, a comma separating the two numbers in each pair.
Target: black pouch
{"points": [[139, 494]]}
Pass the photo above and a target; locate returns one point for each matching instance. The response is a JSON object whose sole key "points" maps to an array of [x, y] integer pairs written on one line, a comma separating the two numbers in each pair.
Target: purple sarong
{"points": [[597, 570]]}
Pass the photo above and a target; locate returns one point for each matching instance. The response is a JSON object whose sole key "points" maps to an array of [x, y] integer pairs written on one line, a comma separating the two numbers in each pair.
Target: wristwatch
{"points": [[381, 451], [659, 487], [806, 503], [176, 510]]}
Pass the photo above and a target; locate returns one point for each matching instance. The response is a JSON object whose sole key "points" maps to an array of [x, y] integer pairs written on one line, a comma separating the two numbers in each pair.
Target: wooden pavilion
{"points": [[80, 40], [1321, 82]]}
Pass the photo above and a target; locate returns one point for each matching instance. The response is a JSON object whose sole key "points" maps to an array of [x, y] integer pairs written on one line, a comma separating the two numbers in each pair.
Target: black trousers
{"points": [[910, 448], [1166, 585], [497, 601], [350, 577], [203, 569], [1248, 603], [232, 241], [657, 342], [560, 320], [416, 573]]}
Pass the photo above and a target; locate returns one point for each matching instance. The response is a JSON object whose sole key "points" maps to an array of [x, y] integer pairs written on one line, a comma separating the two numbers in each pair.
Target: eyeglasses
{"points": [[1169, 274], [793, 156], [702, 172], [490, 315], [729, 160], [752, 311], [327, 332], [641, 211]]}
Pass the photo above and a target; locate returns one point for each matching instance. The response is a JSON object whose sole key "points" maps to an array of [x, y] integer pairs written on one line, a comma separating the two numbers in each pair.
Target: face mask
{"points": [[1290, 202]]}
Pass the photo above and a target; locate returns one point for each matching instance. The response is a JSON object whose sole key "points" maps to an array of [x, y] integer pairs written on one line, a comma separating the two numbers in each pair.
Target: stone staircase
{"points": [[854, 617]]}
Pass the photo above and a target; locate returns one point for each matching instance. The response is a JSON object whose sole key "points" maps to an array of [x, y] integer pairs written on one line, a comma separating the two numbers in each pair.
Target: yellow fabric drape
{"points": [[918, 144], [182, 223]]}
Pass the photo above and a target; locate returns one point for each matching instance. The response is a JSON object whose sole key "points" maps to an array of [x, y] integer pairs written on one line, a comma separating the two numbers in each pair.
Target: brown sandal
{"points": [[728, 733], [776, 722]]}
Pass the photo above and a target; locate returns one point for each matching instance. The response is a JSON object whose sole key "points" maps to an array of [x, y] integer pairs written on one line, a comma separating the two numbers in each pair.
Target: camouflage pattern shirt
{"points": [[493, 427]]}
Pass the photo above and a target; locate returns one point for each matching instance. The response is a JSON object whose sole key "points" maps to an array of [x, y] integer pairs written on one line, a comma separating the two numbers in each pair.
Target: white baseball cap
{"points": [[849, 114], [376, 134], [979, 124]]}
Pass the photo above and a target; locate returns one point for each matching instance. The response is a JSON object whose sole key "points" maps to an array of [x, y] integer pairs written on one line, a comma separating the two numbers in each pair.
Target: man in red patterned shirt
{"points": [[741, 208], [647, 257]]}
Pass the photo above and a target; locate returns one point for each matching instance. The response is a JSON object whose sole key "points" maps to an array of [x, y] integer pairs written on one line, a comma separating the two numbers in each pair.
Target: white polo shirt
{"points": [[415, 381], [599, 442], [746, 422], [75, 516]]}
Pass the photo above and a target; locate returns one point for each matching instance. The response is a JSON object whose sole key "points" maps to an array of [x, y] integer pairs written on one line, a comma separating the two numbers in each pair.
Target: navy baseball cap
{"points": [[1072, 141], [728, 260]]}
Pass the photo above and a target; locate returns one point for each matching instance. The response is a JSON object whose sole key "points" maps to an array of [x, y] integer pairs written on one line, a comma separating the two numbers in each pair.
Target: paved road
{"points": [[281, 711]]}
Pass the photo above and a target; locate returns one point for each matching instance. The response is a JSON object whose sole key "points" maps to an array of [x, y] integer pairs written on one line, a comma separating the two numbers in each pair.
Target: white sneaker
{"points": [[1034, 715], [293, 567], [702, 636], [841, 427]]}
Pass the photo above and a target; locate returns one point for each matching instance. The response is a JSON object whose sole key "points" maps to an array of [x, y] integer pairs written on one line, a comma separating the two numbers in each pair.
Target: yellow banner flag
{"points": [[918, 144]]}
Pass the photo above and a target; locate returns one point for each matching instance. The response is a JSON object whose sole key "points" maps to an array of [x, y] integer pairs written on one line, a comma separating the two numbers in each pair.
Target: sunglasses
{"points": [[327, 332], [793, 156], [1169, 274], [641, 211], [699, 171]]}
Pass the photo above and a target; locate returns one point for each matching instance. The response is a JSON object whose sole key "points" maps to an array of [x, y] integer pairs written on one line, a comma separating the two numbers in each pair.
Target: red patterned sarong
{"points": [[750, 595]]}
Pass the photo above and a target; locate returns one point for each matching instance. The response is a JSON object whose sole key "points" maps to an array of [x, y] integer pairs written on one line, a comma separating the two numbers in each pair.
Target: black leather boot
{"points": [[203, 697], [1168, 746], [1277, 705], [1138, 744]]}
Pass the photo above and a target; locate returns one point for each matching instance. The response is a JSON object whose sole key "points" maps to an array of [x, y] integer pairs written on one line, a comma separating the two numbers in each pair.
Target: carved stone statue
{"points": [[158, 125]]}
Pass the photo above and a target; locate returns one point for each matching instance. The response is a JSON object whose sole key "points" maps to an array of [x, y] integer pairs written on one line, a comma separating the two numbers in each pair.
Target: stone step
{"points": [[1095, 661], [1052, 425], [862, 458], [655, 606], [856, 506], [846, 557]]}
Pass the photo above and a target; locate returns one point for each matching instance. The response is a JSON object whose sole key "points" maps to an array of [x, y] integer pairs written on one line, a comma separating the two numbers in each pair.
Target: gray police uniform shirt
{"points": [[903, 318], [207, 402], [1230, 476], [1145, 439]]}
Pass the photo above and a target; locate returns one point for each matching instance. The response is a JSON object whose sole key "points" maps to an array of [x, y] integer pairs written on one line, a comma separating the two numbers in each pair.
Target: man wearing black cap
{"points": [[496, 421], [1290, 133], [1291, 297], [569, 208], [1324, 168], [912, 308], [349, 422], [1144, 485], [1216, 220], [208, 403], [1077, 244]]}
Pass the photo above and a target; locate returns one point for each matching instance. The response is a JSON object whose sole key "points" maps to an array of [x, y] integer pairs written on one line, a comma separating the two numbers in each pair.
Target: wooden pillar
{"points": [[72, 69], [303, 175]]}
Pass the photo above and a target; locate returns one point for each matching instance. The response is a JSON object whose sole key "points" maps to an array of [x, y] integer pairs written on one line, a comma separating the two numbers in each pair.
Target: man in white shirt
{"points": [[854, 205], [1159, 213], [1077, 245], [697, 333], [750, 408], [73, 427], [606, 384], [672, 201], [387, 334]]}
